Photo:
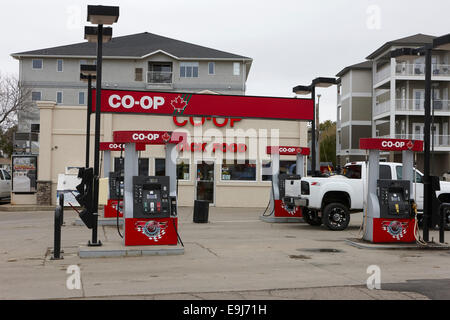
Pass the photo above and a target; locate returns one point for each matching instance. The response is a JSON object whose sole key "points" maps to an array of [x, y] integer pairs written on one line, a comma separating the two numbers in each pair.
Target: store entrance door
{"points": [[205, 181]]}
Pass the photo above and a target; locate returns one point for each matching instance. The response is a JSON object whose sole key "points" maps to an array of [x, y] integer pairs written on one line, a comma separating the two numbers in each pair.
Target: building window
{"points": [[37, 64], [143, 166], [286, 167], [160, 167], [159, 72], [238, 171], [236, 68], [189, 69], [59, 97], [81, 97], [36, 96], [59, 65], [211, 68], [183, 169], [138, 74]]}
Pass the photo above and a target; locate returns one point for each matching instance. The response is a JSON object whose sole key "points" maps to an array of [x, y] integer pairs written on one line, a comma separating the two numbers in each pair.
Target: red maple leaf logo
{"points": [[166, 137], [178, 104]]}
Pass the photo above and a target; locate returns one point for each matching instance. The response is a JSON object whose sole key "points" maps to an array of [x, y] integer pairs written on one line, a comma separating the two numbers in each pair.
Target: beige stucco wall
{"points": [[62, 144]]}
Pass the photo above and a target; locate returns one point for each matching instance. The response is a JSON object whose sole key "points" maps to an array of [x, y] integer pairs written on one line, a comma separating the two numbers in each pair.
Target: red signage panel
{"points": [[390, 144], [148, 137], [191, 104], [288, 151]]}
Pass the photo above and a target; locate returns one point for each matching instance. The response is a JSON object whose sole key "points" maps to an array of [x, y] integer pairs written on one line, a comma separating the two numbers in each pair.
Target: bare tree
{"points": [[14, 98]]}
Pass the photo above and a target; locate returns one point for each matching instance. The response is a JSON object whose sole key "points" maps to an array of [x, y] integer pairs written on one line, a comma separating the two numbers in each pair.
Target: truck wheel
{"points": [[311, 217], [336, 216]]}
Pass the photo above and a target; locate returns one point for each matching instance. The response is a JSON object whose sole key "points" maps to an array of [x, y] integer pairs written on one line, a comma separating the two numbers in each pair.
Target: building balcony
{"points": [[413, 106], [418, 69], [159, 79], [382, 74]]}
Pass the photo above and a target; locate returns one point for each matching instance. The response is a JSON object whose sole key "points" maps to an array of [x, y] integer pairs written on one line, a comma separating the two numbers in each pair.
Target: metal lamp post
{"points": [[87, 74], [99, 15], [311, 89]]}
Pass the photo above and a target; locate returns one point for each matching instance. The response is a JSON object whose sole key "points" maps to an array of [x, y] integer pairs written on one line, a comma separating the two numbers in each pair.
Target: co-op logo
{"points": [[145, 136], [396, 144], [128, 102], [116, 146], [290, 150]]}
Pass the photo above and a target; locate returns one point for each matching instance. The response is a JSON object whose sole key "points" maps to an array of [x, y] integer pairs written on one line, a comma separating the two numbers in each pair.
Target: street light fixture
{"points": [[321, 82], [440, 43], [88, 73], [100, 15]]}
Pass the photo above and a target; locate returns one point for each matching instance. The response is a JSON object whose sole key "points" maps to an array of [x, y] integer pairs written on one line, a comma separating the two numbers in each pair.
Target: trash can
{"points": [[201, 211]]}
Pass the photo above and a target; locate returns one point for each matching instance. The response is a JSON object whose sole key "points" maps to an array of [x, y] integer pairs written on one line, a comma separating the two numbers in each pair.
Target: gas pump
{"points": [[390, 214], [150, 203], [284, 205], [115, 181]]}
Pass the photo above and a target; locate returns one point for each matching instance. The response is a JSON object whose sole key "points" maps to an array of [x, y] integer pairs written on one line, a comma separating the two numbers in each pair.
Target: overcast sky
{"points": [[291, 42]]}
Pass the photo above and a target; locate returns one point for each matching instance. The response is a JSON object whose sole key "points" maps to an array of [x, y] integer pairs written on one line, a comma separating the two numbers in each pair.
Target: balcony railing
{"points": [[418, 69], [418, 105], [412, 105], [383, 74], [159, 77], [436, 140], [382, 107]]}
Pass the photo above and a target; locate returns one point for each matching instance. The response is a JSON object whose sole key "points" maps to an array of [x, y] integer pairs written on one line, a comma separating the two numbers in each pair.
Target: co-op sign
{"points": [[390, 144], [204, 105]]}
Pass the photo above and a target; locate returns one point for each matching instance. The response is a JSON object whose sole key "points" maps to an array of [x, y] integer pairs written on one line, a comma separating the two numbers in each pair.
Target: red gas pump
{"points": [[150, 203], [285, 191], [115, 194], [389, 214]]}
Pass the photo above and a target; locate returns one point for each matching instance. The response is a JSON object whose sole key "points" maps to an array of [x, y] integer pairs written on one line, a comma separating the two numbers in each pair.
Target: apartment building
{"points": [[150, 62], [397, 88], [354, 111], [142, 61]]}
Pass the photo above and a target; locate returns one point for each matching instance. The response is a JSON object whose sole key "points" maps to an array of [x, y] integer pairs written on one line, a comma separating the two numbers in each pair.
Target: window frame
{"points": [[136, 73], [234, 68], [191, 66], [84, 98], [188, 162], [32, 64], [57, 65], [40, 96], [62, 97], [213, 64]]}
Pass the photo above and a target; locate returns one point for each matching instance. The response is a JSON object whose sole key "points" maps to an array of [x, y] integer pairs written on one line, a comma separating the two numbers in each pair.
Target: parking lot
{"points": [[234, 256]]}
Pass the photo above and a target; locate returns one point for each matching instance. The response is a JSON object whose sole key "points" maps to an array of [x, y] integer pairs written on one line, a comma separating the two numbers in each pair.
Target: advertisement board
{"points": [[24, 173]]}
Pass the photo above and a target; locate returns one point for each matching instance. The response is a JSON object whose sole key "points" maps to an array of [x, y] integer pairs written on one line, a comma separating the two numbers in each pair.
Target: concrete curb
{"points": [[361, 244], [109, 250]]}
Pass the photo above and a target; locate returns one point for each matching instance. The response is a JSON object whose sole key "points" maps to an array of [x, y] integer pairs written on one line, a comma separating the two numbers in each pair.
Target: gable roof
{"points": [[137, 45], [414, 40], [366, 65]]}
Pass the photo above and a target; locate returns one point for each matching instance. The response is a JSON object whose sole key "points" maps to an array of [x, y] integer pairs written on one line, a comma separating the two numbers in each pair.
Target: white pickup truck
{"points": [[330, 200]]}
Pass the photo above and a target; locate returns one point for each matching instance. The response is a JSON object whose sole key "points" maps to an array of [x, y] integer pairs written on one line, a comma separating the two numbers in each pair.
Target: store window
{"points": [[286, 166], [239, 171], [160, 167], [143, 166], [183, 169]]}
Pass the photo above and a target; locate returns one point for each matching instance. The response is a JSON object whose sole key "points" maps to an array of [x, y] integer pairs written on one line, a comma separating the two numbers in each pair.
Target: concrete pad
{"points": [[115, 249], [363, 244], [272, 219], [102, 222]]}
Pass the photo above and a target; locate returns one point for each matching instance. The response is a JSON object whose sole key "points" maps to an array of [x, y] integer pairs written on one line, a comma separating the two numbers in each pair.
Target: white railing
{"points": [[418, 69], [383, 74], [382, 107], [438, 140], [159, 77], [418, 105]]}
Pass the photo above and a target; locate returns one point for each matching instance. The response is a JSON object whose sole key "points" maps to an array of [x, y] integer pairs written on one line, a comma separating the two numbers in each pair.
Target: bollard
{"points": [[444, 210], [57, 234], [61, 204]]}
